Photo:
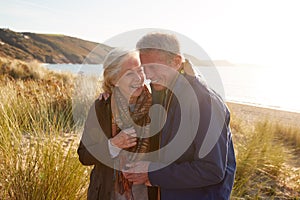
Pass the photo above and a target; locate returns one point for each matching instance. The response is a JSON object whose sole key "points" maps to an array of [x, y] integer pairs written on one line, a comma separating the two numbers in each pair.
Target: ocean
{"points": [[275, 88]]}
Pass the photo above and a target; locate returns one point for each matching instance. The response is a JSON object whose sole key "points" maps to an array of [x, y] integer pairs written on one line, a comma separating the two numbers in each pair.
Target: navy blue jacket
{"points": [[200, 162]]}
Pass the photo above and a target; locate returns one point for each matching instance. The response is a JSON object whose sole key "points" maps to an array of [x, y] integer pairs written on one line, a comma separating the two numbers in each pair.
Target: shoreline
{"points": [[263, 106], [252, 113]]}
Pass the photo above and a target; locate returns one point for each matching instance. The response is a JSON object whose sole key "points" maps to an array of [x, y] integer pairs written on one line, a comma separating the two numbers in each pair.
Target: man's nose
{"points": [[148, 72], [138, 76]]}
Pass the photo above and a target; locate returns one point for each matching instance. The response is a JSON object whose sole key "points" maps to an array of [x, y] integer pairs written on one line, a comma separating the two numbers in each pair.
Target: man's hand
{"points": [[103, 96], [138, 173]]}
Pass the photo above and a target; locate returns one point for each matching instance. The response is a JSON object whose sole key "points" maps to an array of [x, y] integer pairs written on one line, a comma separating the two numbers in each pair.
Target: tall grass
{"points": [[291, 135], [42, 168], [262, 162], [38, 139]]}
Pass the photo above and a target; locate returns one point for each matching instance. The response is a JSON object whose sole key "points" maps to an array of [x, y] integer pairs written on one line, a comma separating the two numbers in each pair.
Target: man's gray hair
{"points": [[159, 41]]}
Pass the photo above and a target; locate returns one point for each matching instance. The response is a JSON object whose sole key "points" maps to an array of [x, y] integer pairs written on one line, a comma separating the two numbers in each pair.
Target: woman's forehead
{"points": [[131, 63]]}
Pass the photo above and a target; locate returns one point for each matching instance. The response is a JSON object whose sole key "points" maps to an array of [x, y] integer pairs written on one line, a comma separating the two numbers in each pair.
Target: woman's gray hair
{"points": [[159, 41], [112, 65]]}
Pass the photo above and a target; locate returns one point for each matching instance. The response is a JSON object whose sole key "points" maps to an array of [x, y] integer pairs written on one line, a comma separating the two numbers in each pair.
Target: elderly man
{"points": [[196, 158]]}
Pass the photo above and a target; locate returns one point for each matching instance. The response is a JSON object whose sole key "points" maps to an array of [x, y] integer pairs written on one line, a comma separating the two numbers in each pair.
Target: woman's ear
{"points": [[114, 83]]}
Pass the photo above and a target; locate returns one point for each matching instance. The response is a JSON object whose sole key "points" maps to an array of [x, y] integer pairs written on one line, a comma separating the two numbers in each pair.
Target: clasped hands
{"points": [[137, 172]]}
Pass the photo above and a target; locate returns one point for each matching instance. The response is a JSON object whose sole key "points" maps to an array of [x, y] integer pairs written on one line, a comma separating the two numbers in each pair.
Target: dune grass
{"points": [[39, 137], [290, 134], [265, 162]]}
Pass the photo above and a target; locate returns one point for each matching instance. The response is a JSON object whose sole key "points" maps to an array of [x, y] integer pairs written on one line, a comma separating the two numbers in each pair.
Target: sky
{"points": [[262, 32]]}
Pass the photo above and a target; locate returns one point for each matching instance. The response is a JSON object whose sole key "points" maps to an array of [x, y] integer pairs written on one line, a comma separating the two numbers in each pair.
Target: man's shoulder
{"points": [[196, 85]]}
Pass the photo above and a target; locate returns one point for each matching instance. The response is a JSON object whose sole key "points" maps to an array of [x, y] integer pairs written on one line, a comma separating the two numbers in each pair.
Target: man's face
{"points": [[158, 68]]}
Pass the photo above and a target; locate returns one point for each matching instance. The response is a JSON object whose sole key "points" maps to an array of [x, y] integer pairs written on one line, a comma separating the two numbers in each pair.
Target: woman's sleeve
{"points": [[93, 148]]}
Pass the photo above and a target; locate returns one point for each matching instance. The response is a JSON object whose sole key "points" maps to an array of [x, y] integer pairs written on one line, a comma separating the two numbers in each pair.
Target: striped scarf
{"points": [[125, 115]]}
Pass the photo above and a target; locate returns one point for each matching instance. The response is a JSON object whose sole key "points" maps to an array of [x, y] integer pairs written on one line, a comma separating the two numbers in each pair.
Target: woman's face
{"points": [[131, 77]]}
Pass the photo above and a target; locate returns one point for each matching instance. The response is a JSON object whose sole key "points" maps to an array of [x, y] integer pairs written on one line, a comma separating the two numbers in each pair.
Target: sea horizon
{"points": [[238, 84]]}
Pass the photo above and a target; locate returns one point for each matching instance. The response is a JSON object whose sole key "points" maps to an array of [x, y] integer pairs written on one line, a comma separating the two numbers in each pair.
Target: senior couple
{"points": [[184, 151]]}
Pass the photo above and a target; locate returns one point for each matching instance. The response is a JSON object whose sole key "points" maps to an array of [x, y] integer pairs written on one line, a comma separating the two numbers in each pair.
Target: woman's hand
{"points": [[124, 139]]}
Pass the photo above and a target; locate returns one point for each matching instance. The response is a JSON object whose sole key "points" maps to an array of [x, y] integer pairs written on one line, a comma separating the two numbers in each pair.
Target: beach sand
{"points": [[289, 185], [252, 114]]}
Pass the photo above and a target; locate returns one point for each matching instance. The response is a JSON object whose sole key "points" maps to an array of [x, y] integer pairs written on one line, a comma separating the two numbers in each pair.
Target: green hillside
{"points": [[49, 48]]}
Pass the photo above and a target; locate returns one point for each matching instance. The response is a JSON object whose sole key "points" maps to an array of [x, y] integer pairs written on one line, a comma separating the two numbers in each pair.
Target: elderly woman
{"points": [[116, 129]]}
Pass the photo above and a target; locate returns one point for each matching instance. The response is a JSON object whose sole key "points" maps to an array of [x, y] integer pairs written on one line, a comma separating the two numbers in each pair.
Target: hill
{"points": [[49, 48], [55, 48]]}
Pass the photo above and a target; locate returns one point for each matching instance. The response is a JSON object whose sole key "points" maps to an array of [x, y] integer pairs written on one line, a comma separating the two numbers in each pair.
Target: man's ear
{"points": [[177, 61]]}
